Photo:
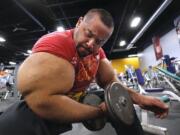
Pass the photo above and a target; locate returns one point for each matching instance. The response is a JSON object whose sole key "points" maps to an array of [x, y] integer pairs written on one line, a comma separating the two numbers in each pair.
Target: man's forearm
{"points": [[64, 110]]}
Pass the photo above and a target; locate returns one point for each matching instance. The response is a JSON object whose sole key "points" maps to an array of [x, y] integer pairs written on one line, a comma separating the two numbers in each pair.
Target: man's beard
{"points": [[83, 53]]}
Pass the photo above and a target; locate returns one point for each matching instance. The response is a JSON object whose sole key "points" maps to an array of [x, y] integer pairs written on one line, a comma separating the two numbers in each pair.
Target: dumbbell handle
{"points": [[165, 98]]}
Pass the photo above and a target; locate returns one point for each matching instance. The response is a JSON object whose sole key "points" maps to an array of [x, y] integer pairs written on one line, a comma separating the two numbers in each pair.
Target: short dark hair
{"points": [[104, 15]]}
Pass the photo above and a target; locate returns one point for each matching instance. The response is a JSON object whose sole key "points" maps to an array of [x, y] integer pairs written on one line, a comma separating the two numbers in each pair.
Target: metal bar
{"points": [[155, 130], [25, 33], [171, 85]]}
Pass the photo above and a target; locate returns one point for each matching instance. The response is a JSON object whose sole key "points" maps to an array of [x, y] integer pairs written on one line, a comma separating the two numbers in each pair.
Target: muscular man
{"points": [[62, 65]]}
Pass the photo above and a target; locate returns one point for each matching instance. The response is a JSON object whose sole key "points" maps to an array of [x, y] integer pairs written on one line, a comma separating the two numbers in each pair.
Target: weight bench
{"points": [[168, 76]]}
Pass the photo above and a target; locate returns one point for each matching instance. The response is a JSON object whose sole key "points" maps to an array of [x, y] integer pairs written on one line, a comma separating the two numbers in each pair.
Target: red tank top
{"points": [[62, 45]]}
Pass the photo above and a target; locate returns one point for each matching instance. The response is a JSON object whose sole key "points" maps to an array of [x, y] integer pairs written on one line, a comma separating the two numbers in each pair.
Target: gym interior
{"points": [[144, 50]]}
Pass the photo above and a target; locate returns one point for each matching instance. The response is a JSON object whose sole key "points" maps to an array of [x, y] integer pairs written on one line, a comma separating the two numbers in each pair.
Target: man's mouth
{"points": [[83, 51], [85, 48]]}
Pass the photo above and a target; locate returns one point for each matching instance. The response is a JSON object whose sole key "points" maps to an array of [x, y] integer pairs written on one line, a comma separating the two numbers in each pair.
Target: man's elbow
{"points": [[40, 105]]}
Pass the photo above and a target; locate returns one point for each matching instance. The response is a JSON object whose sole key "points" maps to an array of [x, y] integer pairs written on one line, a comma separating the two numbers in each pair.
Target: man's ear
{"points": [[79, 21]]}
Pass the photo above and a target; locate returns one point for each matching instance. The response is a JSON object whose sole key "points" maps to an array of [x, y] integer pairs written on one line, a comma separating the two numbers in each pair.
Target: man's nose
{"points": [[90, 43]]}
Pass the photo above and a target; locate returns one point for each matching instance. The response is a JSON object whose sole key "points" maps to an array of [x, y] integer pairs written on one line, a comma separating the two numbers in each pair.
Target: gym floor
{"points": [[172, 122]]}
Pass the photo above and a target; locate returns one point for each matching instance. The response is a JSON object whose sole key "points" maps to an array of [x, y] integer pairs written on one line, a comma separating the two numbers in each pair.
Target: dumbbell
{"points": [[119, 105]]}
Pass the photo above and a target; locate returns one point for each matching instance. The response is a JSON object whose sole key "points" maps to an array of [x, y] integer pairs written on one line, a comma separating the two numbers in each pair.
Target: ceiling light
{"points": [[29, 51], [26, 54], [122, 43], [140, 54], [135, 22], [2, 39], [12, 63], [132, 55], [60, 29]]}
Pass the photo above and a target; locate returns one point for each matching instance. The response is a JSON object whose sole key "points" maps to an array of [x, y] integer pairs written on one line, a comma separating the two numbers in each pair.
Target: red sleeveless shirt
{"points": [[62, 45]]}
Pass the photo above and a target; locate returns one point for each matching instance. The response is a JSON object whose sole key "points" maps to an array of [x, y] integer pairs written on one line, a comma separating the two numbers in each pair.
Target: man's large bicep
{"points": [[45, 72]]}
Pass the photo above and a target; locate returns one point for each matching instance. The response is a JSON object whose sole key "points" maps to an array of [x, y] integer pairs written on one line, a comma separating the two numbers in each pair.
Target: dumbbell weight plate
{"points": [[119, 104]]}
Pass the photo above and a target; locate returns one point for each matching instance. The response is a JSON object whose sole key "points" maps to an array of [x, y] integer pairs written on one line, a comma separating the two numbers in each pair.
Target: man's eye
{"points": [[99, 42], [89, 34]]}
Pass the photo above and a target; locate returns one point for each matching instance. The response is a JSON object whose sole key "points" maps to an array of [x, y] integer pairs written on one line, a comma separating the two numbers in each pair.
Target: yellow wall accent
{"points": [[118, 64]]}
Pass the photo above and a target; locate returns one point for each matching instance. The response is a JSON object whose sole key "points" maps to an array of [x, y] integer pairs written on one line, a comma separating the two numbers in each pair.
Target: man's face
{"points": [[90, 35]]}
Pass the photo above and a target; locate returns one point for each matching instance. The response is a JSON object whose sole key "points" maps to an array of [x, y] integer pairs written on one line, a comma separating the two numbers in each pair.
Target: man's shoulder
{"points": [[64, 36], [58, 43]]}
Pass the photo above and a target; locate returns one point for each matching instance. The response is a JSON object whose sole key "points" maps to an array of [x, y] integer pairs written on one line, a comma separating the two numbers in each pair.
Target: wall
{"points": [[170, 45], [118, 64]]}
